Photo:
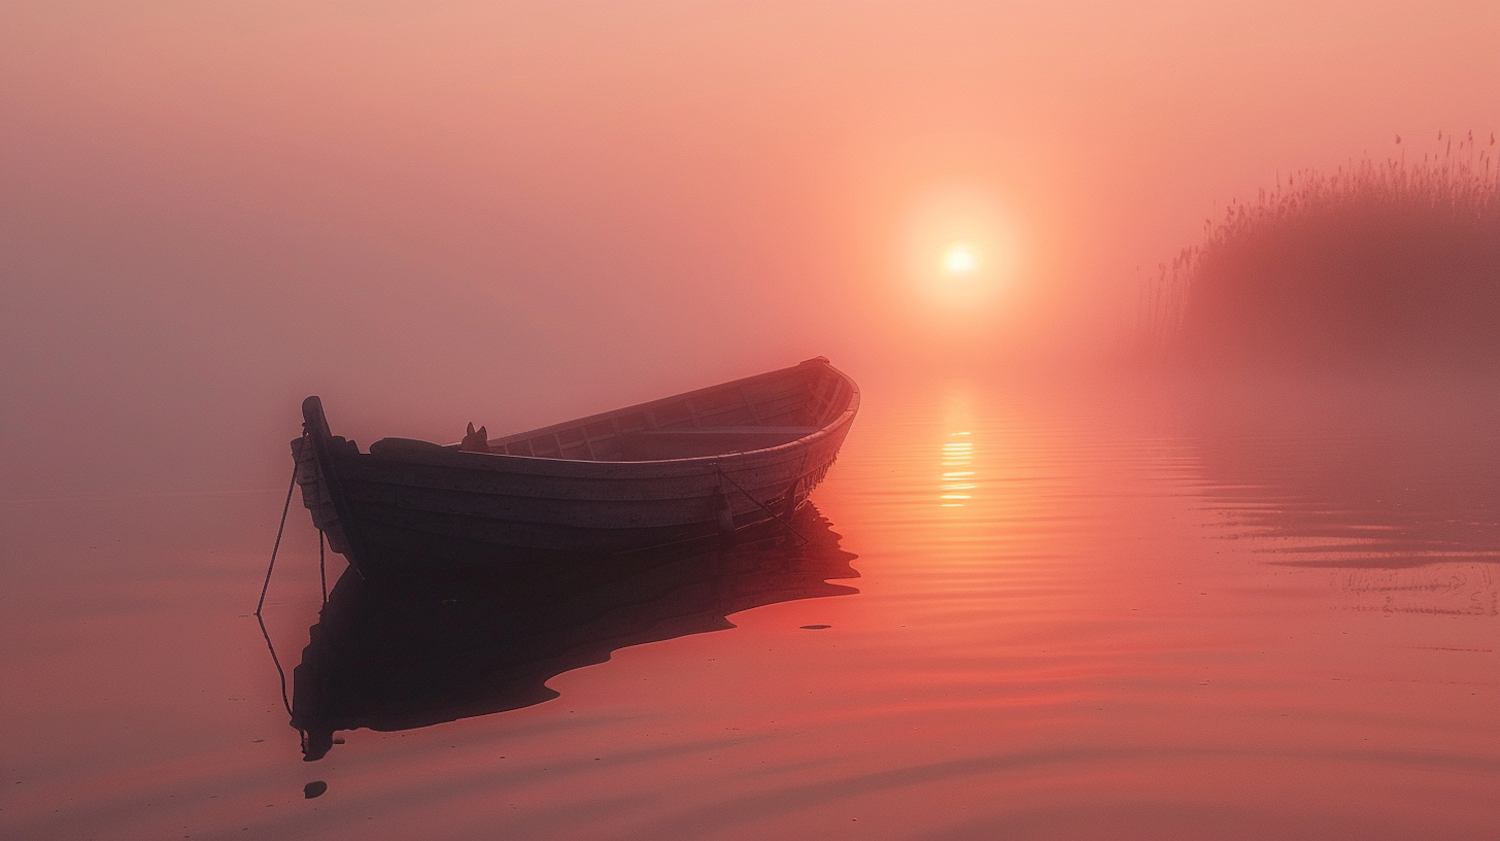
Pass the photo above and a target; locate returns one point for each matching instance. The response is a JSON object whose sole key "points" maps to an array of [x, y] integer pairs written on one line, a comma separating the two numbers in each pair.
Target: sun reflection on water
{"points": [[958, 480]]}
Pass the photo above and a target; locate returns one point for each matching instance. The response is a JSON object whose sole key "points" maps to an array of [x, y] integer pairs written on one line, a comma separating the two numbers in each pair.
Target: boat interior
{"points": [[749, 414]]}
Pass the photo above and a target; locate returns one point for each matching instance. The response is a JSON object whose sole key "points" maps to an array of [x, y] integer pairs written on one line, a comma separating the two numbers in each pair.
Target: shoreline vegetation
{"points": [[1379, 265]]}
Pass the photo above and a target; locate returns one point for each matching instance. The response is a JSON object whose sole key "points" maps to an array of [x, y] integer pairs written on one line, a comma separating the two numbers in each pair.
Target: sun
{"points": [[961, 248], [960, 260]]}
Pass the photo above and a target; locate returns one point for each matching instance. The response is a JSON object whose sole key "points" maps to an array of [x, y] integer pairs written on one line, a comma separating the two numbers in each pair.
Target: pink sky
{"points": [[511, 213]]}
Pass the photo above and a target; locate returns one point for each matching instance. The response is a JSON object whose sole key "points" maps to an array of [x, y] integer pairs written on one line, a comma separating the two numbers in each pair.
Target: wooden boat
{"points": [[681, 468]]}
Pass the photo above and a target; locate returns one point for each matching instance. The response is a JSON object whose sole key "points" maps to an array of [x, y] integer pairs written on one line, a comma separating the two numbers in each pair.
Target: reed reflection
{"points": [[1395, 489], [439, 650]]}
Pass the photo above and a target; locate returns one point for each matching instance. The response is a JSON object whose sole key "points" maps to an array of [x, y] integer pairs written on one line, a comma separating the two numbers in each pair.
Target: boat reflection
{"points": [[437, 650], [1397, 490]]}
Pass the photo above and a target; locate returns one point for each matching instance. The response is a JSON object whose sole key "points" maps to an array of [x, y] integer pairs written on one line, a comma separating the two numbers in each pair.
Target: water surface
{"points": [[1079, 613]]}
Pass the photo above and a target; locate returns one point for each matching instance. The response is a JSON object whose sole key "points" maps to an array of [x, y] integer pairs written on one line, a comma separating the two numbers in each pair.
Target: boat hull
{"points": [[413, 507]]}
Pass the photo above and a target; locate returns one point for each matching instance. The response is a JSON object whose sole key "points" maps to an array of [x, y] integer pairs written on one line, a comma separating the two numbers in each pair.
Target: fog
{"points": [[513, 213]]}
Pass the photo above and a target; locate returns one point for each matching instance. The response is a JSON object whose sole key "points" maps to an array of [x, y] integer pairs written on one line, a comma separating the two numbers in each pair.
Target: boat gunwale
{"points": [[447, 455]]}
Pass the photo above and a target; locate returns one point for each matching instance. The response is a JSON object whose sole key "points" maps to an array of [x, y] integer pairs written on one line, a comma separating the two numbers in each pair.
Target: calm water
{"points": [[1264, 613]]}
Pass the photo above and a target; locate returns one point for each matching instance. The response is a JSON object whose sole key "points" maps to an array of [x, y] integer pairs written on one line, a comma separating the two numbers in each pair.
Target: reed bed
{"points": [[1379, 263]]}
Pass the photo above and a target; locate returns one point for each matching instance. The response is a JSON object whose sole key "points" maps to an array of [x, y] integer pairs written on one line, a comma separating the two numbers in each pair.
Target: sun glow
{"points": [[961, 247], [960, 260]]}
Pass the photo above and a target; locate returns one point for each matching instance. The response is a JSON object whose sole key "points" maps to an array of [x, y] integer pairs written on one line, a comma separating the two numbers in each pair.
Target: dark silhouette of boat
{"points": [[687, 467], [445, 648]]}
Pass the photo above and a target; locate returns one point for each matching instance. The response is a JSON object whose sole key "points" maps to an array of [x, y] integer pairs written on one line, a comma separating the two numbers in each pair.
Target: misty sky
{"points": [[431, 213]]}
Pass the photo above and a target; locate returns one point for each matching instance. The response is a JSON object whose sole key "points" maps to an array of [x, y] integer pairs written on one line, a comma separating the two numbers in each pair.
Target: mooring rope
{"points": [[763, 506], [285, 701], [286, 507]]}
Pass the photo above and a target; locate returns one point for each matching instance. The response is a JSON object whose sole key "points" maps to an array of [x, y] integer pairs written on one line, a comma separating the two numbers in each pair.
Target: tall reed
{"points": [[1389, 261]]}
